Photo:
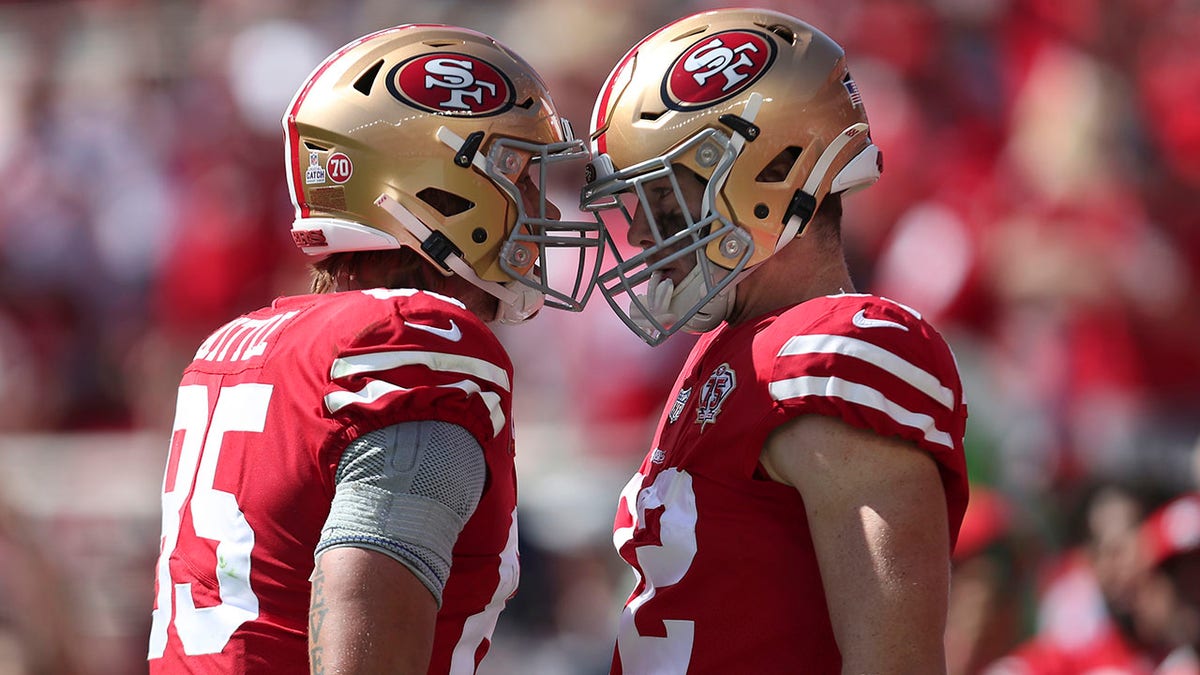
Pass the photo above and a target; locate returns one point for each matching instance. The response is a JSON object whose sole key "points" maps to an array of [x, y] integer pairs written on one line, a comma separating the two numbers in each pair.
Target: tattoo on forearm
{"points": [[316, 619]]}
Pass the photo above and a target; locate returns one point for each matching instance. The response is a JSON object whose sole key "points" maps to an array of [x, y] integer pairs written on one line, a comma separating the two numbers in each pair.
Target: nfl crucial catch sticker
{"points": [[315, 174], [713, 394]]}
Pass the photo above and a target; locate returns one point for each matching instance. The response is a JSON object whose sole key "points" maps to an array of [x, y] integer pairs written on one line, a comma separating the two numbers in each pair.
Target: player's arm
{"points": [[403, 495], [368, 616], [876, 509]]}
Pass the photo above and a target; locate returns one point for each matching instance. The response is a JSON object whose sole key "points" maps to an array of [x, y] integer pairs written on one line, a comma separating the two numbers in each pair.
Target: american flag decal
{"points": [[852, 89]]}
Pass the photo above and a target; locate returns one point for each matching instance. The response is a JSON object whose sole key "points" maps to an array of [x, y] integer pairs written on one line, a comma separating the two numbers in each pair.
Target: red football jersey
{"points": [[263, 415], [727, 578]]}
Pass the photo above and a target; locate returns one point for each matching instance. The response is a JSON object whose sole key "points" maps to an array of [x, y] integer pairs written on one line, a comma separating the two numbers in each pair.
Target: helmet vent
{"points": [[309, 145], [438, 44], [446, 203], [650, 115], [787, 34], [526, 104], [777, 170], [367, 79], [690, 33]]}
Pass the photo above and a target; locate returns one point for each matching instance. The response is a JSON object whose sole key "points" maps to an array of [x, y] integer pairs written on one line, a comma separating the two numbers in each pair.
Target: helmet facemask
{"points": [[539, 233], [657, 307]]}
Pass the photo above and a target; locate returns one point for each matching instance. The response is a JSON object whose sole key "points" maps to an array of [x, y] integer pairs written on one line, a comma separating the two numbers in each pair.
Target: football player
{"points": [[340, 491], [798, 506]]}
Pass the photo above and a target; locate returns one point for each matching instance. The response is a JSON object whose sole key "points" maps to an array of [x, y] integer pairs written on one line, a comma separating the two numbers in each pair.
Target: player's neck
{"points": [[803, 270]]}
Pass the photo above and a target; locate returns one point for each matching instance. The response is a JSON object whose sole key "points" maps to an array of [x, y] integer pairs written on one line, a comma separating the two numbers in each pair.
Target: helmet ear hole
{"points": [[446, 203], [777, 170]]}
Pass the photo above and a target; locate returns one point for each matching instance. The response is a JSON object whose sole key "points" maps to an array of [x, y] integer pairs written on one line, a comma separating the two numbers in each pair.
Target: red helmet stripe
{"points": [[600, 114], [293, 158]]}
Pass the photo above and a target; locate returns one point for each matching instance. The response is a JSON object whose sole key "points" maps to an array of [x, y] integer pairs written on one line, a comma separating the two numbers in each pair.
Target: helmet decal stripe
{"points": [[600, 112], [293, 167]]}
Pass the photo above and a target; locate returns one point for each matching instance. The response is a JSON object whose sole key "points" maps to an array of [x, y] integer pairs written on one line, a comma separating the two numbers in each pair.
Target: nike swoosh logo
{"points": [[860, 319], [452, 333]]}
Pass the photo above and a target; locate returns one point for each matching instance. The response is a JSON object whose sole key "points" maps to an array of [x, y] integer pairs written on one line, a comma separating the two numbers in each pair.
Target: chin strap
{"points": [[518, 302], [813, 183], [666, 303]]}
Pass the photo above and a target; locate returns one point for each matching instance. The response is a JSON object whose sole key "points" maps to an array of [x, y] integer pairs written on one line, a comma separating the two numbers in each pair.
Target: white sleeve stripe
{"points": [[479, 627], [490, 398], [901, 305], [862, 350], [852, 392], [377, 389], [440, 361]]}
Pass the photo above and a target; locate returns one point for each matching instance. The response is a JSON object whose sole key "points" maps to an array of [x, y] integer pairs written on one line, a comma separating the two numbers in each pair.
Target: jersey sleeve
{"points": [[876, 365], [423, 357]]}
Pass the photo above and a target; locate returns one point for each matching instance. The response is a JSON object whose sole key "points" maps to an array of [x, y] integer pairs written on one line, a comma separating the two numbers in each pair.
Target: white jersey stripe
{"points": [[479, 627], [852, 392], [862, 350], [901, 305], [490, 398], [452, 363], [377, 389]]}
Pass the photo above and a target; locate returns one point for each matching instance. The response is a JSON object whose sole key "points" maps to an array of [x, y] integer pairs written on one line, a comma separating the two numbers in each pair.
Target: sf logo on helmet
{"points": [[716, 68], [452, 83]]}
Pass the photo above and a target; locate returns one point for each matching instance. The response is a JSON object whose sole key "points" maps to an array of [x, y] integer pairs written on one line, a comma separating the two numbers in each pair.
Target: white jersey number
{"points": [[215, 515], [660, 566]]}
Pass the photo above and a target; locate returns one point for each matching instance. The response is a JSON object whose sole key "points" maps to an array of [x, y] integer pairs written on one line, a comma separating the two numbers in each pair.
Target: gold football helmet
{"points": [[761, 107], [426, 136]]}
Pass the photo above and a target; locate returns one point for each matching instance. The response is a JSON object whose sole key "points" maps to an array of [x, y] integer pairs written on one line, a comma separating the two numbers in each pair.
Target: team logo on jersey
{"points": [[680, 401], [713, 394], [451, 83], [658, 456], [716, 68]]}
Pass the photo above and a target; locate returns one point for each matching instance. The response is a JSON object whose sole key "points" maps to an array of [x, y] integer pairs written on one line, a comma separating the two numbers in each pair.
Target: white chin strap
{"points": [[858, 172], [666, 303], [518, 302]]}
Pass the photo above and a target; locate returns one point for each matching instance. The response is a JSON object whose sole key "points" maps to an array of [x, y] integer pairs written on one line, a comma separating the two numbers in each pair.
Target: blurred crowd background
{"points": [[1040, 203]]}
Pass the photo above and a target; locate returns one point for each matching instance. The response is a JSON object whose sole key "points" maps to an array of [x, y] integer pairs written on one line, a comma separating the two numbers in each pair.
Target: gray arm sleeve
{"points": [[406, 491]]}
